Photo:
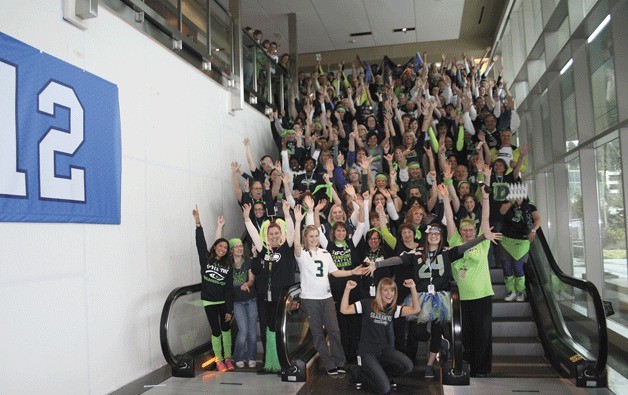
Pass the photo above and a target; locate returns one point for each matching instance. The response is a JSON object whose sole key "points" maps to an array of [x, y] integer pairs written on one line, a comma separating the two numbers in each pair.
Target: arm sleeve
{"points": [[457, 252], [201, 244], [388, 238]]}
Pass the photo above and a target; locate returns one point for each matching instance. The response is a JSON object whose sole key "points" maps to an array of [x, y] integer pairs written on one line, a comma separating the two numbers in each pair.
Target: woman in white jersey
{"points": [[315, 264]]}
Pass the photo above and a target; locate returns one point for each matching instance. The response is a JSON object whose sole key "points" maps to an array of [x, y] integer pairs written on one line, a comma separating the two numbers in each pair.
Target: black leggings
{"points": [[270, 314], [216, 317]]}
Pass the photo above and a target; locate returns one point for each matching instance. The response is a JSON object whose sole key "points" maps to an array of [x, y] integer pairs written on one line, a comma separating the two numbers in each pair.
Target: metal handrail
{"points": [[591, 289], [456, 330], [165, 319]]}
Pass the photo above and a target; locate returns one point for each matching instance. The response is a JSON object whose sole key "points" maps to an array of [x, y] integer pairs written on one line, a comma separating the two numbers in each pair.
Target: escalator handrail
{"points": [[591, 289], [456, 330], [165, 318], [282, 309]]}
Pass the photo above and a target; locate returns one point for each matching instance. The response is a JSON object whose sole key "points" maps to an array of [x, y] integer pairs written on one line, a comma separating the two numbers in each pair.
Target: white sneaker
{"points": [[252, 364], [511, 297], [520, 297], [240, 364]]}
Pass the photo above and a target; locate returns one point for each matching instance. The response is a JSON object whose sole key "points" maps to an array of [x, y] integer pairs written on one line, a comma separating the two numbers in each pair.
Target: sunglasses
{"points": [[432, 229]]}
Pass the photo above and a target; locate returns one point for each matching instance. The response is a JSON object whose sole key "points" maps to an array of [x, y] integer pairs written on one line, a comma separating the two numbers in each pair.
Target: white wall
{"points": [[80, 304]]}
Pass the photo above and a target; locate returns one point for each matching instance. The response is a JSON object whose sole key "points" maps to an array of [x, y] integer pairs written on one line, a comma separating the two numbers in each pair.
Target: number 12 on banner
{"points": [[55, 141]]}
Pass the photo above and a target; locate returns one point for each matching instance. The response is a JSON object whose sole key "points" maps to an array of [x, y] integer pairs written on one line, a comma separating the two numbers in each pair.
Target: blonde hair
{"points": [[304, 234], [378, 304], [344, 214]]}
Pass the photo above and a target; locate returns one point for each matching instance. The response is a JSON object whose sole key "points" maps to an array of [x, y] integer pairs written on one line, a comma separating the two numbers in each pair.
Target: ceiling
{"points": [[326, 25]]}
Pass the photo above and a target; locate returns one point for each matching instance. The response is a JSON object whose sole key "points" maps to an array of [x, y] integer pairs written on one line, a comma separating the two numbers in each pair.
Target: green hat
{"points": [[341, 108], [287, 132], [414, 165], [234, 241], [381, 176]]}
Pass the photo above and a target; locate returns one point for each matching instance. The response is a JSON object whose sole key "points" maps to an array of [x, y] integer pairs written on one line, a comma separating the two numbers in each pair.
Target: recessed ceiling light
{"points": [[360, 34], [404, 30]]}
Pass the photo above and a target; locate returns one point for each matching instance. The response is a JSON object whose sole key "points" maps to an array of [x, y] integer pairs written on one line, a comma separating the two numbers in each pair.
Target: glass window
{"points": [[563, 32], [569, 109], [612, 222], [576, 218], [546, 128], [550, 196], [602, 70]]}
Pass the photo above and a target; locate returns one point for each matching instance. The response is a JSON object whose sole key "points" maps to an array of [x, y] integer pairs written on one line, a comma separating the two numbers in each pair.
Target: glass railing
{"points": [[294, 339], [570, 318], [185, 334], [206, 35], [455, 370]]}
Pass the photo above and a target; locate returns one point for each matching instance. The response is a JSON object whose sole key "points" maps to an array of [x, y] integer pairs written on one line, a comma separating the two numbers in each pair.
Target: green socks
{"points": [[520, 284], [271, 364], [510, 284], [217, 347], [226, 343]]}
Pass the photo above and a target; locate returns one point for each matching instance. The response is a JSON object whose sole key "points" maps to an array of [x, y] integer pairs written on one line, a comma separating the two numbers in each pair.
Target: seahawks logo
{"points": [[216, 276]]}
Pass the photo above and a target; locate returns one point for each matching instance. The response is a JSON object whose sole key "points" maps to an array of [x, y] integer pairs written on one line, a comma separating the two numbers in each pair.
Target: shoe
{"points": [[239, 364], [221, 367], [341, 370], [353, 373], [229, 364], [252, 364], [332, 373], [520, 297], [511, 297], [393, 385], [429, 371]]}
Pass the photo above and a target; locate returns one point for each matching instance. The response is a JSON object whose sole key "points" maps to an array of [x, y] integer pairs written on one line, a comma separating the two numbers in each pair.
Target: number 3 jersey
{"points": [[315, 267]]}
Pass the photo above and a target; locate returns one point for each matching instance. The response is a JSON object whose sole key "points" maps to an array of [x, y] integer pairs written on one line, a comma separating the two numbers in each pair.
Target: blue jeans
{"points": [[374, 369], [245, 315]]}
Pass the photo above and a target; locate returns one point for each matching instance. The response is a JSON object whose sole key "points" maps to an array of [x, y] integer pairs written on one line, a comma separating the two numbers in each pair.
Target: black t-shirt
{"points": [[345, 257], [518, 221], [274, 270], [374, 336], [499, 191], [383, 252], [437, 270], [240, 276]]}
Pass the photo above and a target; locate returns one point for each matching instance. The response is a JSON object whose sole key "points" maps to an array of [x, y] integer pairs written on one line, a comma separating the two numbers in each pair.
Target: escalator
{"points": [[570, 318], [185, 334]]}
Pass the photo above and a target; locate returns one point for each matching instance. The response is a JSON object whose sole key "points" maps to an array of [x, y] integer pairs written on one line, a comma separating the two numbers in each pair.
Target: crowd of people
{"points": [[390, 182]]}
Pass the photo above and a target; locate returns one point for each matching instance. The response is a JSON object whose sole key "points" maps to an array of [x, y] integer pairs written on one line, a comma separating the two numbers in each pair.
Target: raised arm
{"points": [[249, 155], [235, 172], [253, 233], [449, 215], [289, 223], [298, 217], [345, 307], [220, 223]]}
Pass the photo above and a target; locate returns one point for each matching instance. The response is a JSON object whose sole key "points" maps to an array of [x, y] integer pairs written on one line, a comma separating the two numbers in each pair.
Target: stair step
{"points": [[502, 308], [514, 327], [517, 346], [500, 291], [497, 275], [518, 360]]}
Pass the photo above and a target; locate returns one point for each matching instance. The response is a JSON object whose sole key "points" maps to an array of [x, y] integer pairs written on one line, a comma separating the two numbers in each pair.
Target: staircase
{"points": [[517, 350]]}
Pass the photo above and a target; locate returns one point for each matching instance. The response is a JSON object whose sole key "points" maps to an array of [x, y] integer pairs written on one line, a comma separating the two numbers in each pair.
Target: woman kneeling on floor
{"points": [[377, 359]]}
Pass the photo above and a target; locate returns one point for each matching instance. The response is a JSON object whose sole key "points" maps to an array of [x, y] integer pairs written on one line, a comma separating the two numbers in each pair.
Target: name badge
{"points": [[270, 295], [372, 290], [431, 290]]}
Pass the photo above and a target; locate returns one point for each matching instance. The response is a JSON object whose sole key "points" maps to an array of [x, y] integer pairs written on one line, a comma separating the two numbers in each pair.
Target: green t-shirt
{"points": [[472, 272]]}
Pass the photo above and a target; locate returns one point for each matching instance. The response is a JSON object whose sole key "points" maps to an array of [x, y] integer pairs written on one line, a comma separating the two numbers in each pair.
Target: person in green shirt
{"points": [[472, 273]]}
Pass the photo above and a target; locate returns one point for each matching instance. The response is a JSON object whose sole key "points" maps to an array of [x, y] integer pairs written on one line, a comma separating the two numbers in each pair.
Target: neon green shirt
{"points": [[472, 272]]}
